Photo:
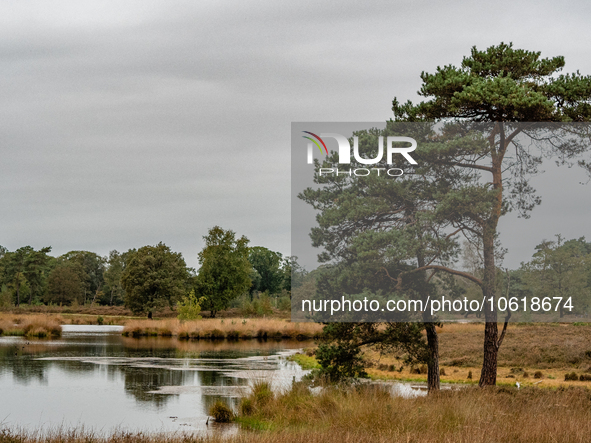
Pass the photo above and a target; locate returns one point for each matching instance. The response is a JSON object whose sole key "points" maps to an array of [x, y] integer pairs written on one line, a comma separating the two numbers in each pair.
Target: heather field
{"points": [[540, 354]]}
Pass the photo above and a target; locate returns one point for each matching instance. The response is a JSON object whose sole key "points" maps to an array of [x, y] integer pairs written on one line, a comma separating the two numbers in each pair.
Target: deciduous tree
{"points": [[64, 285], [36, 270], [154, 276], [267, 263], [112, 277], [92, 267], [225, 269]]}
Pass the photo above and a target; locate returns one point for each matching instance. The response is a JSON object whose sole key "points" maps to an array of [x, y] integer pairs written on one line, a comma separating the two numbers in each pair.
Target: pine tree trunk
{"points": [[488, 376], [433, 381]]}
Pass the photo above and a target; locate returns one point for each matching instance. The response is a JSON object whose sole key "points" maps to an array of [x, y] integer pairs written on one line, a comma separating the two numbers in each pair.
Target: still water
{"points": [[92, 377]]}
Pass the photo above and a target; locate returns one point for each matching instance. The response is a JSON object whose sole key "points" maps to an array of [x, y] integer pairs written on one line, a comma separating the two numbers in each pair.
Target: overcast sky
{"points": [[126, 123]]}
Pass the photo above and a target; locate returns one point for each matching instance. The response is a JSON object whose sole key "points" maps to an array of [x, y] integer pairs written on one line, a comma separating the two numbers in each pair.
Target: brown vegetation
{"points": [[542, 346], [370, 414], [62, 319], [231, 329], [30, 326], [468, 414], [548, 351]]}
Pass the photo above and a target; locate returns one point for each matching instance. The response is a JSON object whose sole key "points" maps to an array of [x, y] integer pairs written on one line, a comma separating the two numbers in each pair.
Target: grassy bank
{"points": [[305, 361], [64, 319], [30, 326], [369, 414], [465, 415], [540, 354], [228, 328]]}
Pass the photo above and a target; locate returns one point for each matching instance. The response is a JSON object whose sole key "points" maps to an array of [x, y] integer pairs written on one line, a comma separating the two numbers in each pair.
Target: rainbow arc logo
{"points": [[315, 142]]}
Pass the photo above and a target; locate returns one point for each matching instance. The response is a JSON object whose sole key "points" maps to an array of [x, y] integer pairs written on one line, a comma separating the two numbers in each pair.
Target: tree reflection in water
{"points": [[88, 369]]}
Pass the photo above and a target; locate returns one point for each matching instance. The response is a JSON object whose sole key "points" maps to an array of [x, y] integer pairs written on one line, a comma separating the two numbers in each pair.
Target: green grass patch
{"points": [[304, 361], [14, 332], [254, 424], [420, 380]]}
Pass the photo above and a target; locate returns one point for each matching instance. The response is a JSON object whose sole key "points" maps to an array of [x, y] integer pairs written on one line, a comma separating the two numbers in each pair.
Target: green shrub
{"points": [[100, 320], [189, 308], [221, 412]]}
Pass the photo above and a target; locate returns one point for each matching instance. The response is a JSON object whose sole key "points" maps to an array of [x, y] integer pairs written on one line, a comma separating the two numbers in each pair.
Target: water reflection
{"points": [[139, 383], [104, 380], [23, 367]]}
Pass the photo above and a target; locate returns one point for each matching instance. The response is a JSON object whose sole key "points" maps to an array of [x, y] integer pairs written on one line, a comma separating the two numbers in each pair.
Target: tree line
{"points": [[146, 278]]}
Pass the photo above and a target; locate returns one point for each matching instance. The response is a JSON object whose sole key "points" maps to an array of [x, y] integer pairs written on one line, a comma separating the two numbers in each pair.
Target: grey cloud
{"points": [[127, 123]]}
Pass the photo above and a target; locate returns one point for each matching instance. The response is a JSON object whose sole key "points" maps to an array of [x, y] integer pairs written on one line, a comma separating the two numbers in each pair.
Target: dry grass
{"points": [[372, 415], [30, 325], [465, 415], [542, 346], [551, 349], [228, 328], [65, 319]]}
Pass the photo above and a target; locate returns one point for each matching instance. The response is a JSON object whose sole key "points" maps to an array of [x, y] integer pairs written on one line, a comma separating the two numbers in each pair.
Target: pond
{"points": [[94, 378]]}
